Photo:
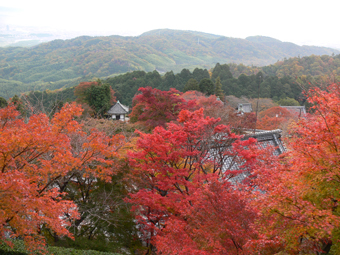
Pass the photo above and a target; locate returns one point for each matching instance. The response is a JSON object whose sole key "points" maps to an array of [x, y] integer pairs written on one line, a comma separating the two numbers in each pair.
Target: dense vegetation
{"points": [[59, 64], [283, 79], [127, 85], [154, 190], [188, 184]]}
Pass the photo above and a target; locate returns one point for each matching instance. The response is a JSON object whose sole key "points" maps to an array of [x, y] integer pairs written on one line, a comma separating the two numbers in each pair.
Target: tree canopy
{"points": [[39, 158], [299, 198], [155, 108], [182, 186]]}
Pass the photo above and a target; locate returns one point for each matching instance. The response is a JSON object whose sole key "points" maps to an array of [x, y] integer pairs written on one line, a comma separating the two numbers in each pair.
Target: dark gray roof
{"points": [[296, 110], [231, 163], [118, 108], [267, 138]]}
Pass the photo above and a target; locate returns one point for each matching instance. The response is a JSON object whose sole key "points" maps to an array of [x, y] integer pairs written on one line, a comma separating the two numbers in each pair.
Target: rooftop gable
{"points": [[118, 108]]}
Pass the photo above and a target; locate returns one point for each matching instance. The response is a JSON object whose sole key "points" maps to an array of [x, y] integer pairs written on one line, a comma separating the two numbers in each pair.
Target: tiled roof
{"points": [[296, 110], [264, 139], [118, 108], [245, 107], [268, 137]]}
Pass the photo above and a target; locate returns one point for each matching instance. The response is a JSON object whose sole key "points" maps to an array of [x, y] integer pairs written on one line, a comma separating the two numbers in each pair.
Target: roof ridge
{"points": [[264, 132], [118, 108]]}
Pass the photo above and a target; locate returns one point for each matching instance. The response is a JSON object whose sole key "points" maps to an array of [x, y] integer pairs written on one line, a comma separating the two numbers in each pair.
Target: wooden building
{"points": [[118, 112]]}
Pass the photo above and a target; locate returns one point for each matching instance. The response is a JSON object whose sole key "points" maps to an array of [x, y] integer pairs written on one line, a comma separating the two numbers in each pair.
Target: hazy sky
{"points": [[299, 21]]}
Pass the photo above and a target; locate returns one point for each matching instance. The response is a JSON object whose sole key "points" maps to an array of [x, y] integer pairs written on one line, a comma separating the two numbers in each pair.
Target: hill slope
{"points": [[60, 63]]}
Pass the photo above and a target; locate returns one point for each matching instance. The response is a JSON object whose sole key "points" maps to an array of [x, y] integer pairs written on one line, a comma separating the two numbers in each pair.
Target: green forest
{"points": [[66, 63], [285, 79]]}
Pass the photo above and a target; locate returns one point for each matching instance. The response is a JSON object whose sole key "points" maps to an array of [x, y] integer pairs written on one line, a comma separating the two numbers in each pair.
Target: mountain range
{"points": [[63, 63]]}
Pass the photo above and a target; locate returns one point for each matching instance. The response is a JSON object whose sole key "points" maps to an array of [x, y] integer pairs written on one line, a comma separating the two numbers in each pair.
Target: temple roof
{"points": [[268, 138], [296, 110], [118, 108], [271, 138], [244, 107]]}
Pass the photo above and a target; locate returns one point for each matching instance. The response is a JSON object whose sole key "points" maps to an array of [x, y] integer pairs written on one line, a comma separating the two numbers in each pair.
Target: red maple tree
{"points": [[212, 106], [187, 202], [154, 107]]}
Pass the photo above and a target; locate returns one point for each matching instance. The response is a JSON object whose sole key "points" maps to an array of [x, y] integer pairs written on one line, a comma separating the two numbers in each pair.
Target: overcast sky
{"points": [[299, 21]]}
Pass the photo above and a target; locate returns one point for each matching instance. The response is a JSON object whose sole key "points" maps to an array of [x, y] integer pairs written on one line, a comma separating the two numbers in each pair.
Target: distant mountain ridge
{"points": [[62, 63], [291, 49]]}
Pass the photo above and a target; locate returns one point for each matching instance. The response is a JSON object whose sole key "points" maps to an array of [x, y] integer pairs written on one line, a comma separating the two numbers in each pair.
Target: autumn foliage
{"points": [[36, 158], [274, 118], [187, 202], [96, 98], [186, 176], [153, 107], [212, 106], [300, 209], [195, 185]]}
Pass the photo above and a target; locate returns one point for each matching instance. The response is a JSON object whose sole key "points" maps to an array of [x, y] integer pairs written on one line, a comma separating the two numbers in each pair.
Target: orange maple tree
{"points": [[300, 193], [274, 118], [35, 157]]}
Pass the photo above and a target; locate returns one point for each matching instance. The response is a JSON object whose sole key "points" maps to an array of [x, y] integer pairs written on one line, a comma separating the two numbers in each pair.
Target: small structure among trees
{"points": [[244, 107], [118, 111]]}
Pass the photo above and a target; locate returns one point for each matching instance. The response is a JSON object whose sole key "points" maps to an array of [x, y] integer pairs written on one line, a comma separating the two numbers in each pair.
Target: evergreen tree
{"points": [[192, 84], [200, 74], [222, 71], [206, 86], [259, 78], [19, 105], [3, 102], [168, 81], [185, 74], [218, 89], [98, 98]]}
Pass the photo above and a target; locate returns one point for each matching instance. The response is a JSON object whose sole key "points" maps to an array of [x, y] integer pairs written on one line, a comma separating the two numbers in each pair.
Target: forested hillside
{"points": [[316, 69], [284, 79], [60, 64], [274, 87]]}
